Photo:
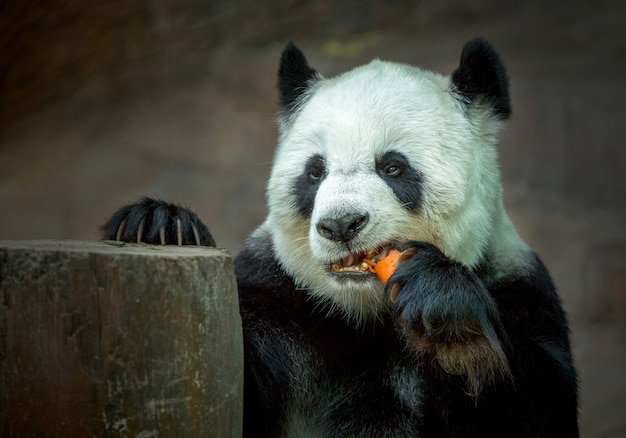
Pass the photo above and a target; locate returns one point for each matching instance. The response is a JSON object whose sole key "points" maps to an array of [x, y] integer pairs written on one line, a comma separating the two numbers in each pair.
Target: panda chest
{"points": [[352, 391]]}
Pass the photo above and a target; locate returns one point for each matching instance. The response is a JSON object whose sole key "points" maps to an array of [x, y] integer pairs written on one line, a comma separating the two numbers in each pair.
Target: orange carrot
{"points": [[384, 267]]}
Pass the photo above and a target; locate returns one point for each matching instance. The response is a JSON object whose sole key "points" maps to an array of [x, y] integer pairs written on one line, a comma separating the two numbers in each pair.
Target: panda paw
{"points": [[447, 316], [156, 222]]}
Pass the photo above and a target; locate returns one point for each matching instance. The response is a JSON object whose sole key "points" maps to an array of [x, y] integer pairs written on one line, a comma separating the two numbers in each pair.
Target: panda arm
{"points": [[513, 331], [538, 350], [447, 317], [268, 304], [155, 221]]}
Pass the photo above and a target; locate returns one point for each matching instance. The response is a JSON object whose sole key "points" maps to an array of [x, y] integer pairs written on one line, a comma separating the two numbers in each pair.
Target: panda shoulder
{"points": [[256, 264]]}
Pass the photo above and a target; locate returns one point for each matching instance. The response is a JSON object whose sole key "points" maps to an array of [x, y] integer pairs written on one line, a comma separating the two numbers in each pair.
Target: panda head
{"points": [[383, 153]]}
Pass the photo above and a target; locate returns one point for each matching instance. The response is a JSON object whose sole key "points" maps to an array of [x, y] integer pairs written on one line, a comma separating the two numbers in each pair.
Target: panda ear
{"points": [[481, 78], [294, 77]]}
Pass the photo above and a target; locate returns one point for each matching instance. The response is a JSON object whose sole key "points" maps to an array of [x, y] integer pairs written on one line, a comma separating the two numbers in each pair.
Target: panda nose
{"points": [[342, 229]]}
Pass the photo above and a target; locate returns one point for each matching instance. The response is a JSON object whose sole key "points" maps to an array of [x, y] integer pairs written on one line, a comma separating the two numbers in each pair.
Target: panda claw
{"points": [[196, 234], [179, 232], [140, 230], [120, 230]]}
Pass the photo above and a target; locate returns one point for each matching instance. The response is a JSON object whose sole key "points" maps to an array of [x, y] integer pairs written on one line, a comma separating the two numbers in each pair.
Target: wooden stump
{"points": [[102, 340]]}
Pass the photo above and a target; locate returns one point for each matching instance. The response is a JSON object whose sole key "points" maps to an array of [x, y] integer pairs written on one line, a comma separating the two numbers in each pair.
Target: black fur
{"points": [[294, 77], [441, 303], [481, 78], [305, 187], [404, 180]]}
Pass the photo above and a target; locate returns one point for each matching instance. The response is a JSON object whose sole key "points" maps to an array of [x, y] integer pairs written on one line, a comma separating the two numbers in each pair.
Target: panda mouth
{"points": [[354, 264]]}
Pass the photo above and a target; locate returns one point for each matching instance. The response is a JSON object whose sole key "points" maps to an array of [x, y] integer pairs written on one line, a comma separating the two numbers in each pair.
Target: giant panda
{"points": [[467, 337]]}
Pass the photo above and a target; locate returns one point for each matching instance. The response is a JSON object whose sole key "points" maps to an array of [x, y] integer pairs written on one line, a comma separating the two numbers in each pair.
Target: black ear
{"points": [[294, 76], [481, 78]]}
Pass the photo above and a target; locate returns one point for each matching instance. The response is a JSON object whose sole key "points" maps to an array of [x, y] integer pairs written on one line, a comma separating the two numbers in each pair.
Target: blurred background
{"points": [[105, 101]]}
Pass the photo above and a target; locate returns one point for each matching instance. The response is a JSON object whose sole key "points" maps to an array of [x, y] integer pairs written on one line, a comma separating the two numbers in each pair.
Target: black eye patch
{"points": [[406, 182], [306, 185]]}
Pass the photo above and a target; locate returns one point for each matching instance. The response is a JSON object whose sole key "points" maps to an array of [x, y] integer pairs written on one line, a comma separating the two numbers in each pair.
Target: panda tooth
{"points": [[336, 267]]}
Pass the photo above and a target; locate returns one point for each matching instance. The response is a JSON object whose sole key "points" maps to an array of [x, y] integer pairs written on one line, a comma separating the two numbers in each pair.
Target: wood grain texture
{"points": [[101, 340]]}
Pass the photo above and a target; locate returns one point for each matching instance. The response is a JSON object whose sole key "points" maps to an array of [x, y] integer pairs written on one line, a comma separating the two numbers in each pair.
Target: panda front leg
{"points": [[447, 317], [156, 222]]}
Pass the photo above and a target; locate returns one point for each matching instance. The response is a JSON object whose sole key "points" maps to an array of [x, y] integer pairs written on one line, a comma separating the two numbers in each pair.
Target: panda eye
{"points": [[315, 174], [392, 165], [392, 169], [315, 169], [395, 169]]}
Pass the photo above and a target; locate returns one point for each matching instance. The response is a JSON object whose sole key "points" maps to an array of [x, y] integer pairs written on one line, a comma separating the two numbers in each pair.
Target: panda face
{"points": [[381, 154]]}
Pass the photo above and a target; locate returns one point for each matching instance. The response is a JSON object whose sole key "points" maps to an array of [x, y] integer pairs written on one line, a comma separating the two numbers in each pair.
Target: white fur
{"points": [[354, 118]]}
